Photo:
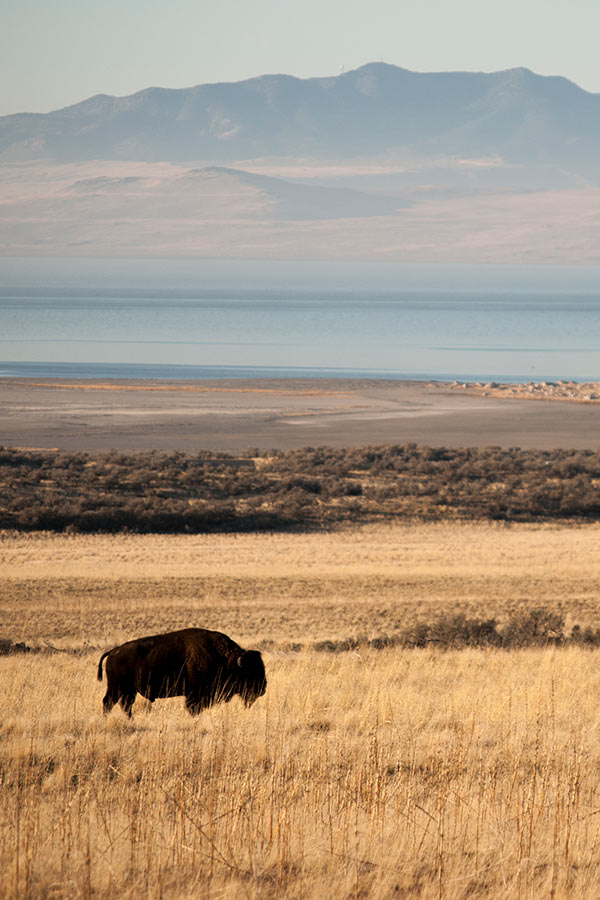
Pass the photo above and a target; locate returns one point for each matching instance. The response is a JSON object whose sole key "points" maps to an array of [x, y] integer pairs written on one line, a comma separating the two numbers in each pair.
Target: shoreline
{"points": [[234, 414], [562, 390]]}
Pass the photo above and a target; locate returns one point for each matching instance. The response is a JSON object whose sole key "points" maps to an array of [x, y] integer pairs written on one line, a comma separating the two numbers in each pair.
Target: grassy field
{"points": [[372, 774]]}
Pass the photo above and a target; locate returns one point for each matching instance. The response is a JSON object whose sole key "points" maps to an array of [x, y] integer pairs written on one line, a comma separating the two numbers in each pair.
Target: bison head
{"points": [[251, 676]]}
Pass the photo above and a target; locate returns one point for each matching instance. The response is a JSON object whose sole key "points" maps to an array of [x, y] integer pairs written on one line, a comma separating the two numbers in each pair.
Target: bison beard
{"points": [[203, 666]]}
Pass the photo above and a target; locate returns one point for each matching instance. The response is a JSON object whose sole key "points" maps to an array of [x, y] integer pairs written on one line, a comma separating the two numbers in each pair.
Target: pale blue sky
{"points": [[56, 53]]}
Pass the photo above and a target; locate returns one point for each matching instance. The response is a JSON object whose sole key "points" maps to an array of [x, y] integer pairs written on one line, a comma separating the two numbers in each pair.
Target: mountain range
{"points": [[378, 163], [512, 116]]}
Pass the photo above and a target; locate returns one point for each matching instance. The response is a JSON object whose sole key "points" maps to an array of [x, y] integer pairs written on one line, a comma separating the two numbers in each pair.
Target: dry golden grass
{"points": [[370, 581], [393, 773]]}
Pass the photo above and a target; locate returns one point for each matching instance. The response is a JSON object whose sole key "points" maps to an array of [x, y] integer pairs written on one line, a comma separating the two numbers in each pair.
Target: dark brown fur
{"points": [[203, 666]]}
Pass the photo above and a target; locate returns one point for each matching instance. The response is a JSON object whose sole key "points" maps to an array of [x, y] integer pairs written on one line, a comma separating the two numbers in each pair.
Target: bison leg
{"points": [[195, 704], [126, 701], [108, 702]]}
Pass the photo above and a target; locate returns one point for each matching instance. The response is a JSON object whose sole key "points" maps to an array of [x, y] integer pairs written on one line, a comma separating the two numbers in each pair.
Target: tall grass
{"points": [[390, 774], [385, 773]]}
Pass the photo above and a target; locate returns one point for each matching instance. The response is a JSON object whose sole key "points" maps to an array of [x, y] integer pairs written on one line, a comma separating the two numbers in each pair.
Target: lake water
{"points": [[198, 319]]}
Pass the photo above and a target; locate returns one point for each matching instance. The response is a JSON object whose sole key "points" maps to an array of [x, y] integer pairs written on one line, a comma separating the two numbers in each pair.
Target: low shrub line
{"points": [[156, 492], [538, 627]]}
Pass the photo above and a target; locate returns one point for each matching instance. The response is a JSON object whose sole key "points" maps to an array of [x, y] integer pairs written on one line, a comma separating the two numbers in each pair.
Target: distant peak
{"points": [[377, 68], [379, 65], [517, 72]]}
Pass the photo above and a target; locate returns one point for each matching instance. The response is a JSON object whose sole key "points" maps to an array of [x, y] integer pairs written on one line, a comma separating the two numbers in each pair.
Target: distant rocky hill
{"points": [[515, 115]]}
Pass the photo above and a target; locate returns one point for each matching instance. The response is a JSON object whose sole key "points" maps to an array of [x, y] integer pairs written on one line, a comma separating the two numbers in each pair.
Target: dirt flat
{"points": [[116, 209], [232, 415]]}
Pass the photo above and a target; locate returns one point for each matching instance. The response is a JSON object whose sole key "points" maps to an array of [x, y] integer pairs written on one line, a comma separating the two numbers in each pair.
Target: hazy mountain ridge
{"points": [[514, 114], [258, 196], [379, 163]]}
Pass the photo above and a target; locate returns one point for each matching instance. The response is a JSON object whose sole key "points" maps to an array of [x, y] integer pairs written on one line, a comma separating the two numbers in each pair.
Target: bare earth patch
{"points": [[233, 415], [157, 210]]}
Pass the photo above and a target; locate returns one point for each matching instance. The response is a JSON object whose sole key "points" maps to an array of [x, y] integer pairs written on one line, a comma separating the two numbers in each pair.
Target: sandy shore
{"points": [[232, 415]]}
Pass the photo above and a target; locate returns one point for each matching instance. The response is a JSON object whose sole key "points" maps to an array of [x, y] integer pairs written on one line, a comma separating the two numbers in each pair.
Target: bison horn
{"points": [[240, 662]]}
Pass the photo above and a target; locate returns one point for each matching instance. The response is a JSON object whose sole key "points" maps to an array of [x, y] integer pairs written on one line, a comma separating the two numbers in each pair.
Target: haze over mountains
{"points": [[378, 109], [454, 165]]}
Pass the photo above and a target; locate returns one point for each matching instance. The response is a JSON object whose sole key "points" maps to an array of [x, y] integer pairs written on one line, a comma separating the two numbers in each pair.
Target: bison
{"points": [[202, 666]]}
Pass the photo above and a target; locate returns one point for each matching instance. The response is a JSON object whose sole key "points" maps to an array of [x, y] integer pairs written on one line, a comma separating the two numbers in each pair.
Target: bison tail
{"points": [[100, 665]]}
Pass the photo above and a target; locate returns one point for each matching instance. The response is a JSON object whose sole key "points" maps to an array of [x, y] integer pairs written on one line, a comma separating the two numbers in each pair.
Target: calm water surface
{"points": [[189, 319]]}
